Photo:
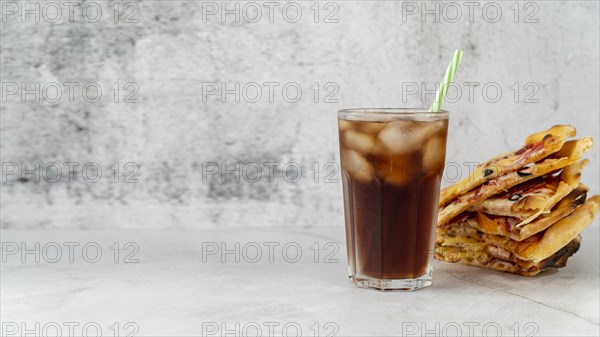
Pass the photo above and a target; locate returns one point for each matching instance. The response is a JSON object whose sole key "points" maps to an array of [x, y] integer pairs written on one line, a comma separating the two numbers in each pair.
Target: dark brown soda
{"points": [[390, 226]]}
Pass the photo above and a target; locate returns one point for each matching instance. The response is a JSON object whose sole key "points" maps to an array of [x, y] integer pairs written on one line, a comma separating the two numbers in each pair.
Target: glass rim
{"points": [[388, 114], [395, 111]]}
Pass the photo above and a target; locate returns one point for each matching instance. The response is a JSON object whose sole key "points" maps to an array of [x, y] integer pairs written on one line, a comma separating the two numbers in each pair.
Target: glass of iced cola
{"points": [[392, 162]]}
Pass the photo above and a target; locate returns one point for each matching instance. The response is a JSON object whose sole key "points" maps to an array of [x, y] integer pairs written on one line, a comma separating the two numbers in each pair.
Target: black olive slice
{"points": [[524, 168], [514, 197]]}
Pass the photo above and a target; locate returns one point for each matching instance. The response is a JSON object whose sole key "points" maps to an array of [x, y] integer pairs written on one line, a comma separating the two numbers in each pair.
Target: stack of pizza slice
{"points": [[521, 212]]}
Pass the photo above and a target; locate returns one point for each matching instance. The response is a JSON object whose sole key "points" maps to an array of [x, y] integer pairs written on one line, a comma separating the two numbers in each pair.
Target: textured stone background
{"points": [[170, 132]]}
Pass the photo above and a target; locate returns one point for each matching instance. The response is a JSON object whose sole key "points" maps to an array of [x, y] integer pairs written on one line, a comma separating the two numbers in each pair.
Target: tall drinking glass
{"points": [[392, 162]]}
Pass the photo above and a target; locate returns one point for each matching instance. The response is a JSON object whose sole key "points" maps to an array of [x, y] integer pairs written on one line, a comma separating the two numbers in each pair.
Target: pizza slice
{"points": [[473, 224], [548, 249], [537, 146], [511, 227], [484, 255], [570, 153], [531, 199], [544, 244]]}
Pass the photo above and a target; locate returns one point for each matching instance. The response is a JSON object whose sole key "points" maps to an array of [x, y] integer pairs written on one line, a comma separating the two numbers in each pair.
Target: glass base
{"points": [[407, 284]]}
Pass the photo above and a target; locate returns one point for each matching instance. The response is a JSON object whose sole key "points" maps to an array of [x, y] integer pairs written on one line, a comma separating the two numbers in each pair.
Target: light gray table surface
{"points": [[269, 282]]}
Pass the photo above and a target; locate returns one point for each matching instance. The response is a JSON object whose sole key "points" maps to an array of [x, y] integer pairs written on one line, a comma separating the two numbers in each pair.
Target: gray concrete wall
{"points": [[164, 123]]}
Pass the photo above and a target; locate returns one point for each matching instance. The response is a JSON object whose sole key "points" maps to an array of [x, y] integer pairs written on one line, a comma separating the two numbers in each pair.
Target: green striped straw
{"points": [[452, 67]]}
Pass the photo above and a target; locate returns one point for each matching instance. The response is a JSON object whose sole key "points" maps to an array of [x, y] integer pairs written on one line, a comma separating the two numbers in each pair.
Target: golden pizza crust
{"points": [[542, 245], [495, 258], [509, 226], [567, 155], [537, 146], [529, 200]]}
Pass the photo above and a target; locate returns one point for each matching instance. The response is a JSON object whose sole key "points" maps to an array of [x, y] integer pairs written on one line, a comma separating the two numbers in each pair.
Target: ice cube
{"points": [[344, 124], [406, 136], [358, 141], [434, 153], [424, 131], [372, 128], [357, 166], [399, 137]]}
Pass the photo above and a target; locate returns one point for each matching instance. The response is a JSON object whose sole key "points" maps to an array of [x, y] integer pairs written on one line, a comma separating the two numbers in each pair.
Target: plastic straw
{"points": [[441, 92]]}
